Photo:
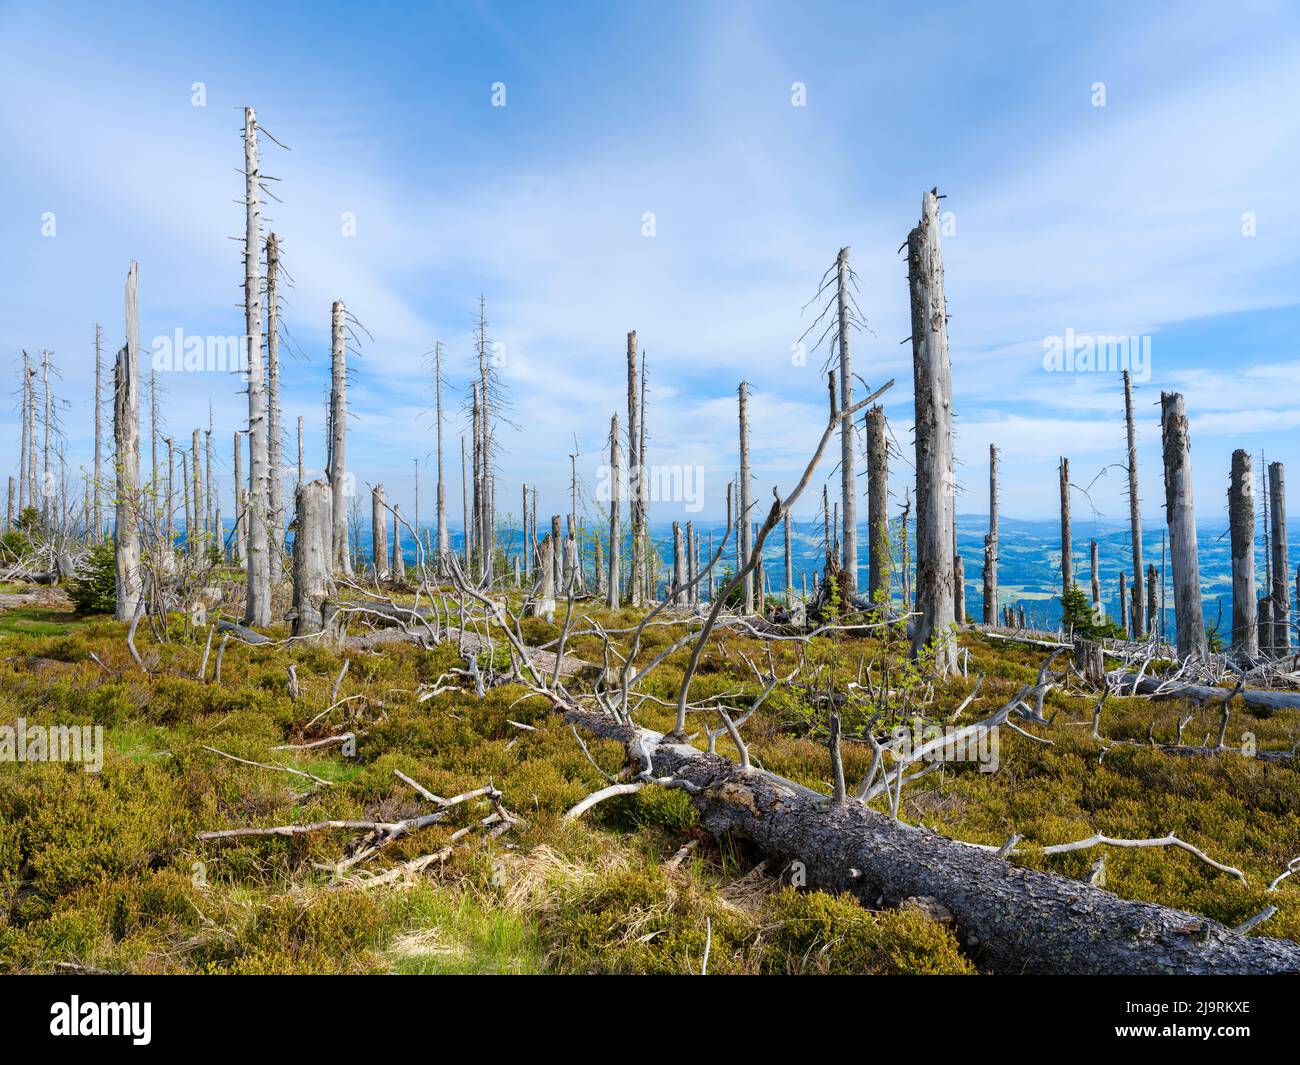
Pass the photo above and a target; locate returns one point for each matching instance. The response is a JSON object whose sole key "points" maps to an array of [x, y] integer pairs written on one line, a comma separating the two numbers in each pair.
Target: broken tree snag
{"points": [[848, 453], [1088, 660], [378, 532], [1123, 601], [991, 544], [557, 555], [932, 371], [1067, 547], [275, 460], [636, 543], [397, 564], [126, 437], [1140, 619], [342, 560], [745, 543], [1152, 608], [613, 594], [878, 551], [312, 550], [257, 598], [1281, 567], [679, 576], [789, 568], [959, 586], [1180, 514], [1241, 523], [1095, 574], [1012, 919]]}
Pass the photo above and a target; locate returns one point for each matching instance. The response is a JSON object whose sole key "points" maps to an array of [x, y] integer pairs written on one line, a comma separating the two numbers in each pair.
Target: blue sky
{"points": [[1122, 219]]}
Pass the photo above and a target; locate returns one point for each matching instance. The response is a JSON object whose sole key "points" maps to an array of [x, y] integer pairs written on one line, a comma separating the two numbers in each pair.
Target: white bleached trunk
{"points": [[746, 543], [1139, 618], [848, 453], [1241, 524], [339, 440], [274, 430], [312, 555], [614, 597], [1181, 516], [257, 600], [126, 436]]}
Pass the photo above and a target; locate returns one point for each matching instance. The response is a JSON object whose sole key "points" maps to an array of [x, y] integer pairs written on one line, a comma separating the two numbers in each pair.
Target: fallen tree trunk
{"points": [[1012, 920], [1261, 703]]}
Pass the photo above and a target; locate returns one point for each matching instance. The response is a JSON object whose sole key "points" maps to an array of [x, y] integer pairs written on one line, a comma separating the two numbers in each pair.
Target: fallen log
{"points": [[1260, 702], [1011, 919]]}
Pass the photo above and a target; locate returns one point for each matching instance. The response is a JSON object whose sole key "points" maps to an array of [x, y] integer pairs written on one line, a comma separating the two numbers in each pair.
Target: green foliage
{"points": [[95, 589], [1079, 617]]}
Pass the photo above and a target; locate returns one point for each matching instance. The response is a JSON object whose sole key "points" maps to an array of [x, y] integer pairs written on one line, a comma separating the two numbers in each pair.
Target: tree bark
{"points": [[339, 440], [991, 544], [126, 437], [1095, 574], [1067, 546], [746, 542], [1281, 566], [878, 550], [194, 534], [932, 370], [1134, 512], [848, 453], [257, 602], [274, 430], [312, 556], [615, 599], [636, 543], [397, 564], [97, 514], [1241, 522], [240, 517], [378, 532], [1181, 516]]}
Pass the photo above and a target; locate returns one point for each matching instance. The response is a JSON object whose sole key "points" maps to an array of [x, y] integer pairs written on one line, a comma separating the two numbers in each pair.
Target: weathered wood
{"points": [[1181, 517], [1258, 700], [1095, 574], [848, 450], [1241, 523], [991, 544], [879, 562], [1123, 601], [1281, 569], [636, 543], [1012, 919], [274, 430], [257, 598], [95, 519], [397, 563], [126, 438], [1139, 618], [312, 556], [679, 569], [613, 592], [1089, 661], [1067, 547], [745, 544], [342, 557], [378, 532], [932, 369]]}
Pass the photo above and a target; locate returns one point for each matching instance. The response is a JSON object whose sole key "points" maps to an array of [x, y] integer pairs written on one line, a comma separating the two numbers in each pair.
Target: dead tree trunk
{"points": [[302, 465], [991, 544], [648, 556], [339, 440], [679, 569], [1067, 547], [378, 532], [848, 453], [1095, 573], [557, 555], [789, 565], [932, 370], [1134, 512], [47, 476], [397, 564], [959, 586], [745, 540], [467, 516], [257, 602], [126, 438], [1281, 566], [1241, 522], [33, 489], [1123, 601], [97, 513], [1152, 599], [274, 430], [878, 552], [24, 478], [636, 543], [615, 599], [313, 552], [1181, 516], [194, 533], [239, 499]]}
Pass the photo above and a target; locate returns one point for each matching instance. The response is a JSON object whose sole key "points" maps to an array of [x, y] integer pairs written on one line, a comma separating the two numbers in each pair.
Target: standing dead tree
{"points": [[312, 556], [636, 545], [257, 602], [126, 438], [932, 371], [613, 592], [745, 543], [378, 532], [879, 562], [339, 439], [1134, 514], [1094, 570], [1241, 523], [440, 512], [1067, 547], [1281, 569], [991, 544], [275, 461], [97, 513], [1181, 517]]}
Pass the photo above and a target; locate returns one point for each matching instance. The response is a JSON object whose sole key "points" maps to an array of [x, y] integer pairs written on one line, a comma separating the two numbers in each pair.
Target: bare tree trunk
{"points": [[1067, 546], [194, 534], [257, 603], [302, 465], [991, 544], [789, 564], [444, 535], [1281, 565], [615, 599], [339, 440], [638, 444], [1181, 515], [848, 453], [1123, 601], [746, 543], [126, 437], [97, 514], [468, 517], [210, 513], [154, 437], [9, 512], [24, 477], [932, 369], [240, 517], [378, 532], [1152, 598], [1095, 573], [636, 542], [679, 572], [313, 551], [47, 479], [959, 589], [878, 551], [1241, 522], [1134, 511], [557, 554], [275, 459], [397, 564], [600, 568], [33, 489]]}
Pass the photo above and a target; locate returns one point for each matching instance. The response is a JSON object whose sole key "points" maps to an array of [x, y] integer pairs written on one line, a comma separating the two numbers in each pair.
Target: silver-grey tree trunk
{"points": [[1241, 523], [991, 544], [879, 559], [126, 438], [378, 532], [1281, 566], [1134, 512], [312, 556], [257, 602], [1067, 545], [848, 453], [613, 597], [636, 544], [746, 542], [932, 371], [1095, 574], [97, 513], [444, 534], [339, 440], [274, 430], [1181, 516], [397, 563], [240, 517]]}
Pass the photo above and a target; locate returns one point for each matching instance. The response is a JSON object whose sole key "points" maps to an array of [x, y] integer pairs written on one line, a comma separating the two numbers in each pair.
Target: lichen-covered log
{"points": [[1011, 919]]}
